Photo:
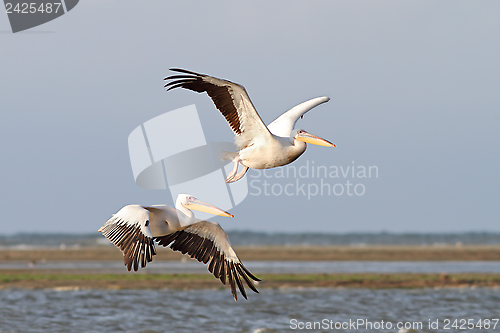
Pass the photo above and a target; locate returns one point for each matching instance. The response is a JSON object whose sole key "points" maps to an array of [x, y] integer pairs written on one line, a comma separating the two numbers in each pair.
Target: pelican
{"points": [[259, 147], [134, 229]]}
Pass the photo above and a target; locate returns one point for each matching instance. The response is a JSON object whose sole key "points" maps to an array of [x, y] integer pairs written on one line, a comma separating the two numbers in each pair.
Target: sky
{"points": [[413, 87]]}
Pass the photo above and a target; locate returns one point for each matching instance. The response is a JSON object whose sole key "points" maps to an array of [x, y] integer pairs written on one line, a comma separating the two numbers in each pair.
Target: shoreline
{"points": [[73, 279], [61, 280], [277, 253]]}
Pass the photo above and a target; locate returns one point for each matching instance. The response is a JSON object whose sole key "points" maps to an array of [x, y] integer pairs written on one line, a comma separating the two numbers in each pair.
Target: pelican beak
{"points": [[206, 208], [313, 139]]}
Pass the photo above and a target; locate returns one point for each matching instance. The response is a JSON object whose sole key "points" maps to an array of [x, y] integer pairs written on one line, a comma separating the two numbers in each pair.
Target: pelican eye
{"points": [[147, 223]]}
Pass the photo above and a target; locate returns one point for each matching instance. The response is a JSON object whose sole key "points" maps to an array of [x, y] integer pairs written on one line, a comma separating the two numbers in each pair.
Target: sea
{"points": [[273, 310], [465, 309]]}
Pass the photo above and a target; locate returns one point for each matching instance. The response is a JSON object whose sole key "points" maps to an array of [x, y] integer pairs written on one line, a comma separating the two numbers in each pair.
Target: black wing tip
{"points": [[249, 274], [245, 277], [182, 81], [235, 273], [237, 279], [171, 87], [204, 250], [180, 70], [129, 264], [173, 77]]}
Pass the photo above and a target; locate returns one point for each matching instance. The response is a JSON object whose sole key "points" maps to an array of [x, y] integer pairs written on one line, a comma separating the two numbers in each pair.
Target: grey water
{"points": [[273, 310], [274, 267], [283, 310]]}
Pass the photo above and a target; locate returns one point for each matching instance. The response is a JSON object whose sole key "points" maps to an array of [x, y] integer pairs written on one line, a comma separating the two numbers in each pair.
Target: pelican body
{"points": [[134, 229], [259, 146]]}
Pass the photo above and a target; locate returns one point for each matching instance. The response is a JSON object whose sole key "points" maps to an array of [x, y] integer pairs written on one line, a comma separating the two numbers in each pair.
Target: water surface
{"points": [[278, 267], [148, 311]]}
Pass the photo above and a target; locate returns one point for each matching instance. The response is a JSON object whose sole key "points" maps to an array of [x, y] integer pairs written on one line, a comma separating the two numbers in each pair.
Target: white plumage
{"points": [[134, 229], [260, 147]]}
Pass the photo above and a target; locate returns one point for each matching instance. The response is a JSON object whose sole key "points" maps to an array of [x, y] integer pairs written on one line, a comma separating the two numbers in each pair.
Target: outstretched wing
{"points": [[129, 230], [283, 125], [206, 241], [231, 100]]}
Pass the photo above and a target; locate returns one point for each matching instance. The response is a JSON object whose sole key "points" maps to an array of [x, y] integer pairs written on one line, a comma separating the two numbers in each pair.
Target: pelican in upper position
{"points": [[260, 147], [135, 228]]}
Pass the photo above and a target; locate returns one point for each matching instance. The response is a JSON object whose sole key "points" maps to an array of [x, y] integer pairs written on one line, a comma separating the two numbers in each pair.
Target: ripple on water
{"points": [[150, 311]]}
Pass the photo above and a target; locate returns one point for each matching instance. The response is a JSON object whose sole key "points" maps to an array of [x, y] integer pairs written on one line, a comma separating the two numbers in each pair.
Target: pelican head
{"points": [[190, 202], [303, 136]]}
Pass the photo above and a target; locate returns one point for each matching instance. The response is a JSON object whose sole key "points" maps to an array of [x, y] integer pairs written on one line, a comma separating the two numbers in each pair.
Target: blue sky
{"points": [[413, 87]]}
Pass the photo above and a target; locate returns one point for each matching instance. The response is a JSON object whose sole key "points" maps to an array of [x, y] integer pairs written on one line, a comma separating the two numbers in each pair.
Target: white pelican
{"points": [[135, 228], [260, 147]]}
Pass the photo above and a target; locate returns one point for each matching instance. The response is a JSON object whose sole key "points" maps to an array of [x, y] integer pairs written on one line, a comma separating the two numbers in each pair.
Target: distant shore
{"points": [[60, 280], [278, 253], [72, 279]]}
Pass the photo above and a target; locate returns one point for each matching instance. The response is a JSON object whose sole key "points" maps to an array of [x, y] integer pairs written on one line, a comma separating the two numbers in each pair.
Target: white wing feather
{"points": [[129, 230], [284, 124]]}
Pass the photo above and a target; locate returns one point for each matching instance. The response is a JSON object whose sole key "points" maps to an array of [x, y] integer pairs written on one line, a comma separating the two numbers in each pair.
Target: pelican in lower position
{"points": [[135, 228], [260, 147]]}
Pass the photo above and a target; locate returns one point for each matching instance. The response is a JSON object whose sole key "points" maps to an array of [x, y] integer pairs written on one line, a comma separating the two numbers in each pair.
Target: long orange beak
{"points": [[313, 139], [207, 208]]}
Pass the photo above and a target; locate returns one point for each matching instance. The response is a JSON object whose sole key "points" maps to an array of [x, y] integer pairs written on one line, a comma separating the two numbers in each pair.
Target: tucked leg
{"points": [[238, 176], [234, 171]]}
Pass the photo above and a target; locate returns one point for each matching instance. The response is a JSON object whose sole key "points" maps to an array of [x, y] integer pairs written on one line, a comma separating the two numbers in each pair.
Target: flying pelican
{"points": [[260, 147], [135, 228]]}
